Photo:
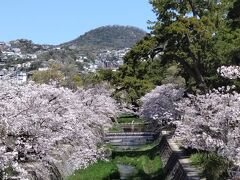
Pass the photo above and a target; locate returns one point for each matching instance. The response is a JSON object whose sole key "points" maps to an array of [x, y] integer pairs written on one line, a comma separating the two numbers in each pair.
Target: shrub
{"points": [[213, 166]]}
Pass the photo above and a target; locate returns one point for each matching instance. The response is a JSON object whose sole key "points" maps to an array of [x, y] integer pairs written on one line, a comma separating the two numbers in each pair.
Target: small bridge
{"points": [[130, 140]]}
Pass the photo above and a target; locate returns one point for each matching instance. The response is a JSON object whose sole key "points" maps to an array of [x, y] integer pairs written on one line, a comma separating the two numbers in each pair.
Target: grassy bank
{"points": [[102, 170], [127, 118], [147, 168]]}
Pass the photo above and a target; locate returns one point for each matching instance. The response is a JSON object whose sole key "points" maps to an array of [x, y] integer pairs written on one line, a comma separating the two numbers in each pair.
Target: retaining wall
{"points": [[176, 165]]}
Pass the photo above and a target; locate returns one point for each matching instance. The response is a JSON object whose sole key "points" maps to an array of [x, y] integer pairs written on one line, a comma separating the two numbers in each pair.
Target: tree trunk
{"points": [[192, 70]]}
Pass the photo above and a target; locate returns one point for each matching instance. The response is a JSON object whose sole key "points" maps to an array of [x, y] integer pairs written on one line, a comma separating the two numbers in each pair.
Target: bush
{"points": [[213, 166]]}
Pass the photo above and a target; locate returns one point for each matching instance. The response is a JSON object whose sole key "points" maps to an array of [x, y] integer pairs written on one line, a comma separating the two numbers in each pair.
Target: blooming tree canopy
{"points": [[160, 103], [208, 121], [231, 72], [38, 123], [211, 122]]}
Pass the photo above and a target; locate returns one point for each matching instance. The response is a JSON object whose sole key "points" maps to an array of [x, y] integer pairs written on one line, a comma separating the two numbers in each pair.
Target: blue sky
{"points": [[58, 21]]}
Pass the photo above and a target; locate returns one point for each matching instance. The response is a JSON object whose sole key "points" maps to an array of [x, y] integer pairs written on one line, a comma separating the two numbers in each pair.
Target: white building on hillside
{"points": [[21, 77]]}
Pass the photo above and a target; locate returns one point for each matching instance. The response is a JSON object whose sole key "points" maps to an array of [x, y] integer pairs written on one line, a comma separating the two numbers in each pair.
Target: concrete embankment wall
{"points": [[176, 165]]}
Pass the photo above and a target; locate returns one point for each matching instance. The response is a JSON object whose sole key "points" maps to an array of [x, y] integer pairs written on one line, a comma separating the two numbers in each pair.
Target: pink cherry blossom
{"points": [[208, 121], [48, 125], [231, 72]]}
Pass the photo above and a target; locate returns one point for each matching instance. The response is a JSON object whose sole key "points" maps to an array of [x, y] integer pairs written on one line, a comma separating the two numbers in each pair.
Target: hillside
{"points": [[116, 37], [103, 47]]}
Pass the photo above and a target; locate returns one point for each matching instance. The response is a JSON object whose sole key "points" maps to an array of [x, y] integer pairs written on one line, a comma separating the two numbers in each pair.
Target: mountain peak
{"points": [[114, 36]]}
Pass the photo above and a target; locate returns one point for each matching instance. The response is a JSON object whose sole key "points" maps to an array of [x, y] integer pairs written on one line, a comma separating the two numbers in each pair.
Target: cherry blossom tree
{"points": [[231, 72], [208, 122], [211, 122], [48, 125], [160, 104]]}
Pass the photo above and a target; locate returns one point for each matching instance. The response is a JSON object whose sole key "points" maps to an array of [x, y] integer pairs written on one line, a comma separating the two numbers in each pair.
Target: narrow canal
{"points": [[134, 155]]}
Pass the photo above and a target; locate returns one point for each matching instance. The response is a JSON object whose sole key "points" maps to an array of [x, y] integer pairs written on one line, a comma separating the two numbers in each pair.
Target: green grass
{"points": [[116, 128], [125, 119], [129, 119], [213, 166], [146, 147], [102, 170], [142, 163]]}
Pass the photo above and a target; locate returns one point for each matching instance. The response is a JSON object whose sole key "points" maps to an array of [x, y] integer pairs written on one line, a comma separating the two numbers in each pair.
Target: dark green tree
{"points": [[139, 73], [188, 29], [234, 15], [191, 38]]}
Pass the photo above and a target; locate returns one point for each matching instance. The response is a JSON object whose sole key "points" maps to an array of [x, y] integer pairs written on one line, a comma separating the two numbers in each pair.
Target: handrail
{"points": [[130, 133]]}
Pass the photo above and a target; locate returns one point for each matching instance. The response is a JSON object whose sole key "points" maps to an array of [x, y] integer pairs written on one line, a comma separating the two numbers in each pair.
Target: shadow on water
{"points": [[126, 171]]}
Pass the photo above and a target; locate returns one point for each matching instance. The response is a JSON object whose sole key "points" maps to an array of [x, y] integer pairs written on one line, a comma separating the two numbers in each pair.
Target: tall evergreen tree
{"points": [[187, 28], [234, 14]]}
